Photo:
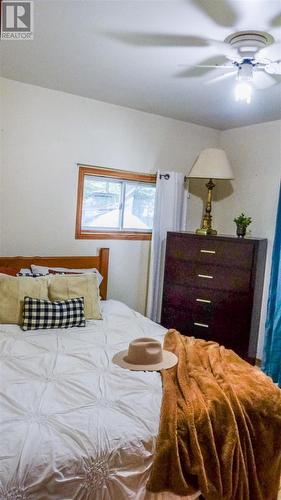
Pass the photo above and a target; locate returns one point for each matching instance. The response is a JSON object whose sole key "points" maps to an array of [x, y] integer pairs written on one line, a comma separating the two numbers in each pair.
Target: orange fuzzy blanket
{"points": [[220, 425]]}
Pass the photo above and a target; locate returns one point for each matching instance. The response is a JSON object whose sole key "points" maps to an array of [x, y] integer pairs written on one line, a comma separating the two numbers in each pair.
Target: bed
{"points": [[73, 424]]}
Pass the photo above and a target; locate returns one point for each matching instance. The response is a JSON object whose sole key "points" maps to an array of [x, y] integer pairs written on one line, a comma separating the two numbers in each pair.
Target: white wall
{"points": [[255, 154], [45, 133]]}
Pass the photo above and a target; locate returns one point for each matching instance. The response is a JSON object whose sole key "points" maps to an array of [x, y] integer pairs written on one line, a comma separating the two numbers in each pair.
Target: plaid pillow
{"points": [[41, 313]]}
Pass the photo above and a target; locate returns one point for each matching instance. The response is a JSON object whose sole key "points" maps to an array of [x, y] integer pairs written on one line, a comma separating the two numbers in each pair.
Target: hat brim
{"points": [[169, 360]]}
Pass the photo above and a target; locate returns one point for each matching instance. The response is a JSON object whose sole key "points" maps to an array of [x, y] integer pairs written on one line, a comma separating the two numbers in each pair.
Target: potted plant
{"points": [[242, 222]]}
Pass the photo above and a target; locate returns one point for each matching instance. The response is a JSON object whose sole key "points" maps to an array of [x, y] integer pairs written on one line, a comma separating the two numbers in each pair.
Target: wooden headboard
{"points": [[100, 262]]}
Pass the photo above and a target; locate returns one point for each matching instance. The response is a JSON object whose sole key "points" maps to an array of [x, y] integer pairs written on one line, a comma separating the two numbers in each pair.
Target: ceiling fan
{"points": [[253, 57], [245, 52]]}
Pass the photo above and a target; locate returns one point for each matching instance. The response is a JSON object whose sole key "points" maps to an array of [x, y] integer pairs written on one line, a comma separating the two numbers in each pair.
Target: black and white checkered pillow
{"points": [[41, 313]]}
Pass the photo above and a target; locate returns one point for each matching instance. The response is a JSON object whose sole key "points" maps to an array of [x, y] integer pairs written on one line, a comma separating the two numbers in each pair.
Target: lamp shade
{"points": [[211, 164]]}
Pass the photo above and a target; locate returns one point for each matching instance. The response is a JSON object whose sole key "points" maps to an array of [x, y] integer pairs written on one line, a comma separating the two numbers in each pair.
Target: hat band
{"points": [[141, 354]]}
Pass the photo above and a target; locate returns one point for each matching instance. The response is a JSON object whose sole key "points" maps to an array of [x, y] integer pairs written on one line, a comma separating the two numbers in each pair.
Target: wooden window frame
{"points": [[111, 234]]}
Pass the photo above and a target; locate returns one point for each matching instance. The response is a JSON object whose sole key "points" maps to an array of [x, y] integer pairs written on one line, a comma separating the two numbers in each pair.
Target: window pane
{"points": [[101, 203], [139, 206]]}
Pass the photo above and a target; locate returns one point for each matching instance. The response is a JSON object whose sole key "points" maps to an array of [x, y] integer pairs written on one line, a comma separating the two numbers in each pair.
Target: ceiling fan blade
{"points": [[222, 13], [276, 21], [276, 78], [197, 70], [216, 66], [272, 52], [221, 78], [273, 68], [263, 80], [159, 40]]}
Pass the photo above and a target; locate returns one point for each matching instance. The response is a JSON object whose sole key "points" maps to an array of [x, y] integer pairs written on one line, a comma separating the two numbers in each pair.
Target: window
{"points": [[114, 204]]}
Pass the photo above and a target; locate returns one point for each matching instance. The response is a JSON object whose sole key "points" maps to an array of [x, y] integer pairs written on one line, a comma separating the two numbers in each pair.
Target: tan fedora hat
{"points": [[145, 354]]}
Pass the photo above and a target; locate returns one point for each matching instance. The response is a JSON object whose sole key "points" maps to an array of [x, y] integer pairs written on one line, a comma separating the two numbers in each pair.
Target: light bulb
{"points": [[243, 92]]}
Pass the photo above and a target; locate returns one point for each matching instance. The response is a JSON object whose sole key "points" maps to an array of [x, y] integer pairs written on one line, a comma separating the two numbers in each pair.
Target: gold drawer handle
{"points": [[206, 301], [201, 324], [208, 251], [208, 276]]}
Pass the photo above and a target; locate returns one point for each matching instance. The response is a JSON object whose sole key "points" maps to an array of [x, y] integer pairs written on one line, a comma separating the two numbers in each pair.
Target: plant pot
{"points": [[240, 230]]}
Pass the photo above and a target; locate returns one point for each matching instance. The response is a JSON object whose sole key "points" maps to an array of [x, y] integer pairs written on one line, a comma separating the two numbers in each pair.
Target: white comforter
{"points": [[74, 425]]}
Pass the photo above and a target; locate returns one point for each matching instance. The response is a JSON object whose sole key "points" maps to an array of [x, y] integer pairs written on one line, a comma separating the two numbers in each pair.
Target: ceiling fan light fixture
{"points": [[243, 88], [243, 92], [245, 72]]}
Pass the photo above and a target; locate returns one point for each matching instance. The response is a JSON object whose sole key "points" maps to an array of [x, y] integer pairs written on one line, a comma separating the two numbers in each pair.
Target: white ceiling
{"points": [[105, 50]]}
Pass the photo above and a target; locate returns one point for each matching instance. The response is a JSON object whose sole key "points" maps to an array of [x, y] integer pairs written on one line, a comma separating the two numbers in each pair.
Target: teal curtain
{"points": [[272, 348]]}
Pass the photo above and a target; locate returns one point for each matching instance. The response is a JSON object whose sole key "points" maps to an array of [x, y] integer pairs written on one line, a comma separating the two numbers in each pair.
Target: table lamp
{"points": [[210, 164]]}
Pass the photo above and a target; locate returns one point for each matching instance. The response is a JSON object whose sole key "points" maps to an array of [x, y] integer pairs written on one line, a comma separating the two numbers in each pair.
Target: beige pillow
{"points": [[63, 287], [12, 293]]}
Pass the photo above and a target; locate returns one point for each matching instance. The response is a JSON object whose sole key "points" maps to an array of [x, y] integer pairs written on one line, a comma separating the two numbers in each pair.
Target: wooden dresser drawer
{"points": [[187, 323], [205, 300], [206, 307], [230, 330], [199, 275], [211, 251]]}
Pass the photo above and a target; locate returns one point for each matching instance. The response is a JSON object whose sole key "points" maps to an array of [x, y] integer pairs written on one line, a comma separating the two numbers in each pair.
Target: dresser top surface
{"points": [[226, 237]]}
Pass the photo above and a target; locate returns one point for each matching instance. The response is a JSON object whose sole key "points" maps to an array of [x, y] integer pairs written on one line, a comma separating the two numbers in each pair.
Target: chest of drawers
{"points": [[213, 289]]}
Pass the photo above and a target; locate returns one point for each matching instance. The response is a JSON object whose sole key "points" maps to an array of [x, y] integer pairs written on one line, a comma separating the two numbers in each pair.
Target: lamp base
{"points": [[206, 230], [206, 227]]}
